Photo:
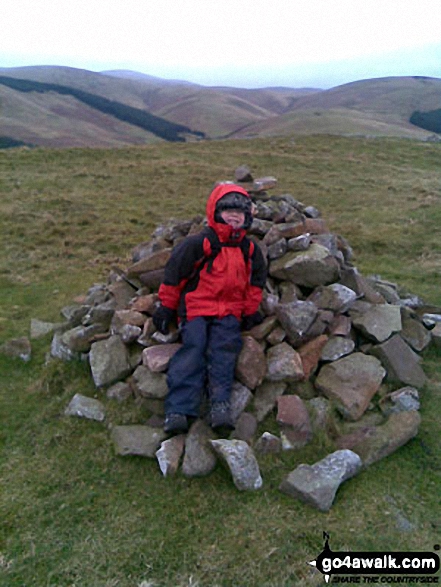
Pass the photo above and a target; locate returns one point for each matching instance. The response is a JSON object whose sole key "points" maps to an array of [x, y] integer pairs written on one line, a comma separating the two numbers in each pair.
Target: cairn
{"points": [[336, 354]]}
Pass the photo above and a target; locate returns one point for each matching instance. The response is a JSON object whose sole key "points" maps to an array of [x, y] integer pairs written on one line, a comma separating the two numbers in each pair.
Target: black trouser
{"points": [[208, 354]]}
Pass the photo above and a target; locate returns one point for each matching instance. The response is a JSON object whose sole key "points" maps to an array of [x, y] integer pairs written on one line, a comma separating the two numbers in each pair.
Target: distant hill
{"points": [[380, 107]]}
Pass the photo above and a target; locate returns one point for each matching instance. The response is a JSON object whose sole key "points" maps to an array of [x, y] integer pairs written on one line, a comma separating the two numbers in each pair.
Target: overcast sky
{"points": [[242, 43]]}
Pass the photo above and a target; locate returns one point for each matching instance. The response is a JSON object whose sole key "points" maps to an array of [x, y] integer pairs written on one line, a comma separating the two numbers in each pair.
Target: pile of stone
{"points": [[336, 355]]}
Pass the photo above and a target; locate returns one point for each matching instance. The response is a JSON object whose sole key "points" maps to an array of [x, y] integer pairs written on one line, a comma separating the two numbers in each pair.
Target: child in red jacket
{"points": [[213, 282]]}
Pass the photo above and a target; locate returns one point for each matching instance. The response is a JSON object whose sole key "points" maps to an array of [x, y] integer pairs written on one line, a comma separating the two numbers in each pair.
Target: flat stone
{"points": [[137, 440], [401, 362], [170, 453], [241, 462], [379, 322], [40, 328], [335, 297], [109, 361], [317, 484], [85, 407], [153, 262], [251, 363], [309, 268], [351, 383], [157, 358]]}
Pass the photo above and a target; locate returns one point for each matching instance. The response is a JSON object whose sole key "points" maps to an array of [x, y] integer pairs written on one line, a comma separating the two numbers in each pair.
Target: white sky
{"points": [[244, 43]]}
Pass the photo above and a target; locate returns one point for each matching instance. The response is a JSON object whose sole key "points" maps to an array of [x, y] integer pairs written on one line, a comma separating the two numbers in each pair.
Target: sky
{"points": [[241, 43]]}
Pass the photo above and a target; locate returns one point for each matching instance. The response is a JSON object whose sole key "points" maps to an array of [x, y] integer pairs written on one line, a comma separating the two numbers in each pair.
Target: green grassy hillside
{"points": [[71, 512]]}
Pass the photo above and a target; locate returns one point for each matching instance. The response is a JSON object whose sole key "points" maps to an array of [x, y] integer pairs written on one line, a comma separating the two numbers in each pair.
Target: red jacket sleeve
{"points": [[179, 269]]}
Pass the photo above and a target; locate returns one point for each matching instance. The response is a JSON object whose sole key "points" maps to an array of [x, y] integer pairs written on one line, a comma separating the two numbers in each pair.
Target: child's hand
{"points": [[251, 320], [162, 318]]}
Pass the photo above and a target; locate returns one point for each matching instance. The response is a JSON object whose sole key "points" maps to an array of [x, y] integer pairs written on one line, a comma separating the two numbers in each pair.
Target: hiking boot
{"points": [[176, 423], [220, 416]]}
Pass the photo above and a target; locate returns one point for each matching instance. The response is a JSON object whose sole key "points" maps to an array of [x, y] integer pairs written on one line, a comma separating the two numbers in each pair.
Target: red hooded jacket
{"points": [[229, 285]]}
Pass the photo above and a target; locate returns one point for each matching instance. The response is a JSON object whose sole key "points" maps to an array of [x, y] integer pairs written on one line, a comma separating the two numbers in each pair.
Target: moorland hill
{"points": [[47, 116]]}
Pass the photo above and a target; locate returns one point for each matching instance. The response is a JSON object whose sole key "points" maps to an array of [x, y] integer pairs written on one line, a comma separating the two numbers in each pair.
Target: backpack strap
{"points": [[246, 246]]}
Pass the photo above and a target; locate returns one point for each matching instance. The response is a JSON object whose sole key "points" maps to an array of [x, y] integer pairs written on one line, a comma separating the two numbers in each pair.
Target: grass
{"points": [[74, 514]]}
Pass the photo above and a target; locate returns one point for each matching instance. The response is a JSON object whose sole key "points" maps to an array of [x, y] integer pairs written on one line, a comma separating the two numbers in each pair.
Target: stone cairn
{"points": [[336, 355]]}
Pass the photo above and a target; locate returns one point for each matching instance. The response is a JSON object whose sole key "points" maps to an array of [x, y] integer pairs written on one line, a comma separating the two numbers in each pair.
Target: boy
{"points": [[214, 282]]}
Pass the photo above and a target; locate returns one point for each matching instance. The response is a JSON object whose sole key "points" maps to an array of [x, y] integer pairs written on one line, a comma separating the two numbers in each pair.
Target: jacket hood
{"points": [[224, 231]]}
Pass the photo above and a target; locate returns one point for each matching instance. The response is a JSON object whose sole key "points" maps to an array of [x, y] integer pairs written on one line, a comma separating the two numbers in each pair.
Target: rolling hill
{"points": [[368, 107]]}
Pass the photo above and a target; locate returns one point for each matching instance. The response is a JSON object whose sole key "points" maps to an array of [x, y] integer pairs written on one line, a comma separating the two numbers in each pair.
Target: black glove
{"points": [[251, 320], [162, 318]]}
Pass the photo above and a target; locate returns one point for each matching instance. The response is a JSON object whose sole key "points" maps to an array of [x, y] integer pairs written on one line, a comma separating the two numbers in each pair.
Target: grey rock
{"points": [[400, 361], [317, 484], [157, 358], [268, 443], [351, 382], [241, 462], [284, 363], [60, 350], [335, 297], [85, 407], [278, 249], [243, 174], [386, 439], [337, 347], [17, 348], [39, 328], [415, 334], [199, 458], [251, 363], [299, 243], [241, 396], [74, 313], [296, 319], [80, 338], [379, 322], [405, 399], [309, 268], [246, 426], [119, 391], [170, 453], [129, 333], [101, 314], [109, 361], [266, 396], [148, 384], [137, 440]]}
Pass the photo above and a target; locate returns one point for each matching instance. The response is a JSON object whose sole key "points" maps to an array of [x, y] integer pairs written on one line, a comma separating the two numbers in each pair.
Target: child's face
{"points": [[233, 217]]}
